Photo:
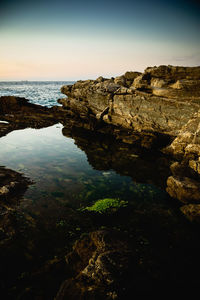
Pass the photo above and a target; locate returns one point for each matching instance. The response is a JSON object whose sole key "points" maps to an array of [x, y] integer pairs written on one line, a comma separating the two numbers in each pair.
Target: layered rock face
{"points": [[185, 182], [161, 100]]}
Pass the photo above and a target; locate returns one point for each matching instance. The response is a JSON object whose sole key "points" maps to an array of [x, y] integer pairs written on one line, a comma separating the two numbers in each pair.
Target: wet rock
{"points": [[19, 114], [11, 181], [184, 189], [101, 263], [192, 212], [12, 187]]}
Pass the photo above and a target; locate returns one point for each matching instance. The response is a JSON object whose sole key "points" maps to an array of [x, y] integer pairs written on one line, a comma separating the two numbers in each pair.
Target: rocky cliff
{"points": [[158, 107], [160, 100]]}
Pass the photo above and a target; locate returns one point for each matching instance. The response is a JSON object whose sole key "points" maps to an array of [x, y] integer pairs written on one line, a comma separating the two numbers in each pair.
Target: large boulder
{"points": [[184, 189], [161, 100]]}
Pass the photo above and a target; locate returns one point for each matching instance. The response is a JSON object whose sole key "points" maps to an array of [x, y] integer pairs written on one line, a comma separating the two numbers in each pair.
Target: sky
{"points": [[71, 40]]}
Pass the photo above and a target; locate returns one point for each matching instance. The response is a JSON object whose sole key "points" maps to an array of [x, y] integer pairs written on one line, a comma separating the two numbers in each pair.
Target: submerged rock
{"points": [[11, 181]]}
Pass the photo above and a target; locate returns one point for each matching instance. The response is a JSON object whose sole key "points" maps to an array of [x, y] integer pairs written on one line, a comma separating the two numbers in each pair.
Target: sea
{"points": [[45, 93]]}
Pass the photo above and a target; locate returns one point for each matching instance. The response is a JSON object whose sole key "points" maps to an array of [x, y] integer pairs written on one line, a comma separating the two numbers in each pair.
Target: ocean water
{"points": [[38, 92]]}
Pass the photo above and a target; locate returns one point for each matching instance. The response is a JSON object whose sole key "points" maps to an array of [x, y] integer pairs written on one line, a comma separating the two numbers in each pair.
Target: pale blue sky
{"points": [[65, 40]]}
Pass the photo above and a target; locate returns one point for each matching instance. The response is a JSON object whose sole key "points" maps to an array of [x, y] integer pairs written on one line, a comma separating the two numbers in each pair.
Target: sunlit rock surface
{"points": [[161, 100], [158, 107]]}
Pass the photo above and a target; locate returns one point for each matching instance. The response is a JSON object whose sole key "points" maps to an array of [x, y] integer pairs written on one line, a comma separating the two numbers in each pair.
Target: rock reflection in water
{"points": [[104, 152], [46, 222]]}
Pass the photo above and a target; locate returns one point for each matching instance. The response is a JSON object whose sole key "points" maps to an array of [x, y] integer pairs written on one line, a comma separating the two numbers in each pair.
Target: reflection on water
{"points": [[71, 169], [61, 172]]}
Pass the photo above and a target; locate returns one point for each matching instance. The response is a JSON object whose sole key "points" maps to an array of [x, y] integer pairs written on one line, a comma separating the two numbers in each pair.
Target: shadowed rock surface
{"points": [[102, 262], [107, 264], [20, 114]]}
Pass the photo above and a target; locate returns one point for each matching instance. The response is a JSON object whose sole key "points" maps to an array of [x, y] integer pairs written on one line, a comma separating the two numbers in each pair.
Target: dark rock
{"points": [[19, 114], [12, 187], [192, 212], [101, 264], [11, 181], [184, 189]]}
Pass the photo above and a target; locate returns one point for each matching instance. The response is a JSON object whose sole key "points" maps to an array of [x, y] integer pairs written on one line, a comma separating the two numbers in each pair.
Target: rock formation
{"points": [[108, 264], [102, 262], [158, 107], [159, 101], [19, 113]]}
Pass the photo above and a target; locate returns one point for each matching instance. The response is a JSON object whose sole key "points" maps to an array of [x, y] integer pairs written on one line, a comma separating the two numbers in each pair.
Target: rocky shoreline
{"points": [[157, 111], [158, 108]]}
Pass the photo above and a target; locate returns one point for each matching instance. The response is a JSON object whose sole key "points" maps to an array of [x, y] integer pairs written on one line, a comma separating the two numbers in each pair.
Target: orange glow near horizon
{"points": [[73, 55]]}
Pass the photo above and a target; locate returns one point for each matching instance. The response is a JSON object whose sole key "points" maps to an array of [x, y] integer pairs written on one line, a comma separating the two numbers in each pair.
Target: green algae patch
{"points": [[107, 205]]}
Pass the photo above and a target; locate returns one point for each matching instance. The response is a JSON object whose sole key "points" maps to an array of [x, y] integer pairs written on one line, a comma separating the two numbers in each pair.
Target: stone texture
{"points": [[192, 212], [184, 189], [187, 143], [153, 107], [161, 100], [186, 148], [102, 262]]}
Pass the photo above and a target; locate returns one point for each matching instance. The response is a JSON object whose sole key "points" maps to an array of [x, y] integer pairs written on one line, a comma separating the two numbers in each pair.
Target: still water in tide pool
{"points": [[61, 173]]}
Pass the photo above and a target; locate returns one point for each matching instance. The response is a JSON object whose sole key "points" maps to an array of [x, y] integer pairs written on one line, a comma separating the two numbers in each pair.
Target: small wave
{"points": [[38, 92]]}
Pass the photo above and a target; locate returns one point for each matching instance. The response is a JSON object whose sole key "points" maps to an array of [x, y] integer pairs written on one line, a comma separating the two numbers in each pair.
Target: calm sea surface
{"points": [[39, 92]]}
